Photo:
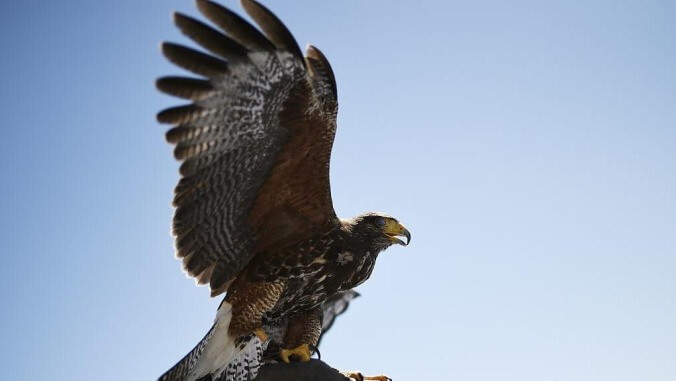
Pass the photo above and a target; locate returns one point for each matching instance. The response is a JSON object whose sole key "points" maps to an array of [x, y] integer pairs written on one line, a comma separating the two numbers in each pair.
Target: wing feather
{"points": [[194, 61], [234, 25], [254, 144], [274, 29], [181, 114], [209, 38], [321, 70], [187, 88]]}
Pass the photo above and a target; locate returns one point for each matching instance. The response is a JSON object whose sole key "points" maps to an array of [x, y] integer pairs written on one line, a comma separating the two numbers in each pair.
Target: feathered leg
{"points": [[249, 304], [302, 335]]}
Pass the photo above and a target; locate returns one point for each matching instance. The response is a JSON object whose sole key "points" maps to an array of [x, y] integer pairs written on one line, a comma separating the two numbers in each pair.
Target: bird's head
{"points": [[379, 231]]}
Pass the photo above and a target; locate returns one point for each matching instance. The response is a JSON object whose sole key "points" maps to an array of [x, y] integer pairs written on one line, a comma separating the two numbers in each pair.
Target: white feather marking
{"points": [[220, 350], [345, 257]]}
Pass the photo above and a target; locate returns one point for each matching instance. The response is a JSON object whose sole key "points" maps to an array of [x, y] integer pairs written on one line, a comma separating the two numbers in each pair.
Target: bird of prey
{"points": [[254, 217]]}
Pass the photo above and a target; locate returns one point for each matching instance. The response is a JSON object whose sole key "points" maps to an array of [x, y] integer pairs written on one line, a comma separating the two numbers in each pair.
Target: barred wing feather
{"points": [[254, 142]]}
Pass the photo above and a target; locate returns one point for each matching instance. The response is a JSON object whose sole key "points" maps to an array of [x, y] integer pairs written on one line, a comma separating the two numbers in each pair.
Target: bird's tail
{"points": [[223, 359], [211, 356]]}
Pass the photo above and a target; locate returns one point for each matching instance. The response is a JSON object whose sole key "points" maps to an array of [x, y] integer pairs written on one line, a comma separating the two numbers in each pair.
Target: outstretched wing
{"points": [[255, 142]]}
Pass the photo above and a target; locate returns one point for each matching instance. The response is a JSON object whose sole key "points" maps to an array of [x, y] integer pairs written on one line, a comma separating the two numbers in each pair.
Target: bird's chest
{"points": [[344, 270], [340, 270]]}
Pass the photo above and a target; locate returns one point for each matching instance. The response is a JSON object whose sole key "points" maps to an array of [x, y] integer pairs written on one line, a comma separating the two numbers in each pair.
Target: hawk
{"points": [[254, 217]]}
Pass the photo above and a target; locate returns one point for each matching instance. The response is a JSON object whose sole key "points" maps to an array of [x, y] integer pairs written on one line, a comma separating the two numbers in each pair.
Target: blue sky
{"points": [[530, 147]]}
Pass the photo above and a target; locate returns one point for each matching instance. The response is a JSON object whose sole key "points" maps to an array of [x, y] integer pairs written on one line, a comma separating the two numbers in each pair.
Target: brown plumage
{"points": [[254, 215]]}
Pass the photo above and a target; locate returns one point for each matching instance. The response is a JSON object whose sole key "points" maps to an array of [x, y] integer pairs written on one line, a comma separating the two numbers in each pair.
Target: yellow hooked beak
{"points": [[394, 229]]}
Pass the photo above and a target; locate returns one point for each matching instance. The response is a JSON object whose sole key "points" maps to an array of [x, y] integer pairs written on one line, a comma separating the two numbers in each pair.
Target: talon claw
{"points": [[302, 351], [315, 349]]}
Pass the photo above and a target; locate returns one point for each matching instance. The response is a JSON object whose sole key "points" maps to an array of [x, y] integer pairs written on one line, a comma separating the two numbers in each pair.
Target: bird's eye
{"points": [[380, 222]]}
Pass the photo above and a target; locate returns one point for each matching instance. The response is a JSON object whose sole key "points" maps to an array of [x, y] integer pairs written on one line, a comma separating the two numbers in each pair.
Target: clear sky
{"points": [[529, 146]]}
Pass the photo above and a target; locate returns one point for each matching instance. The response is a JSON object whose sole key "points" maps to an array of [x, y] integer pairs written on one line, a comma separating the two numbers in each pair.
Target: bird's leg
{"points": [[261, 334], [302, 334], [250, 301], [360, 377]]}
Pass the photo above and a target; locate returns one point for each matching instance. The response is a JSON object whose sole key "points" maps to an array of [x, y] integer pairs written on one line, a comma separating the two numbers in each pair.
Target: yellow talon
{"points": [[359, 377], [261, 334], [302, 351], [379, 377]]}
